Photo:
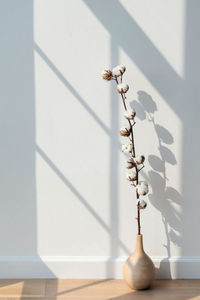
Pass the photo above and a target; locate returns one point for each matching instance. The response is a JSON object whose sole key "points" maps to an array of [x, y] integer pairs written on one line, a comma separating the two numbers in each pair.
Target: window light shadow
{"points": [[137, 45], [181, 94], [71, 88], [77, 194]]}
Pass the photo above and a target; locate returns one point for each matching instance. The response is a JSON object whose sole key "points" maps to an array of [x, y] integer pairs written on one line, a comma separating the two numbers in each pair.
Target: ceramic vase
{"points": [[139, 270]]}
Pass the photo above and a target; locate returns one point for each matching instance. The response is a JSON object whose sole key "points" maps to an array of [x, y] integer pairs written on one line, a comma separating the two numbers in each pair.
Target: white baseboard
{"points": [[91, 267]]}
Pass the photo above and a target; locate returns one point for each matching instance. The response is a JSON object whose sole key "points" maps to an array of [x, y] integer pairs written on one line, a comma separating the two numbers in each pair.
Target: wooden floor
{"points": [[76, 289]]}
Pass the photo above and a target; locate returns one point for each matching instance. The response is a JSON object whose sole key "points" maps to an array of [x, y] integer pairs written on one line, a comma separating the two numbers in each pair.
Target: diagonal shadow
{"points": [[180, 94], [18, 195], [71, 88], [96, 282], [77, 194], [146, 56], [77, 95], [143, 52]]}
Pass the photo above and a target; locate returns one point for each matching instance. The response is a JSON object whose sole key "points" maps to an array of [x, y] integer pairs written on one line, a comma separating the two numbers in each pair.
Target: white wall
{"points": [[66, 208]]}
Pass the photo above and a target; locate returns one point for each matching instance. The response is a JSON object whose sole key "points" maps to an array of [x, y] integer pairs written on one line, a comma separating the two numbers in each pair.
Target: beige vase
{"points": [[139, 270]]}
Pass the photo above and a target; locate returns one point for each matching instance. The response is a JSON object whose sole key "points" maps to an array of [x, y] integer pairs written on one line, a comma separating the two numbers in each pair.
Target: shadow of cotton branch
{"points": [[163, 197]]}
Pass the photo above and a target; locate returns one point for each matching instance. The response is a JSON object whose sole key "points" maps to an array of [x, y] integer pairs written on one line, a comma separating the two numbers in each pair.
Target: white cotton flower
{"points": [[130, 114], [130, 163], [142, 188], [142, 204], [131, 176], [139, 159], [127, 148], [122, 88], [122, 68], [125, 131], [116, 72]]}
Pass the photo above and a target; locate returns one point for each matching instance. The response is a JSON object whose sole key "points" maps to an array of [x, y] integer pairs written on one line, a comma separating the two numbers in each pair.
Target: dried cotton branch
{"points": [[129, 149]]}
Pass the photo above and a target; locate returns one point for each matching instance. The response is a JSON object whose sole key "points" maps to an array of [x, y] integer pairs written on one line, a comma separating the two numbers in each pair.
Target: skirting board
{"points": [[91, 267]]}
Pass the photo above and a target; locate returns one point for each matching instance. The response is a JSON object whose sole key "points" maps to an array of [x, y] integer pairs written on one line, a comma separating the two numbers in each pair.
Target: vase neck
{"points": [[139, 243]]}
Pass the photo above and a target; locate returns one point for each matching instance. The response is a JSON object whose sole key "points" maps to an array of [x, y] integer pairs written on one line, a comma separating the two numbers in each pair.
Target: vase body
{"points": [[139, 270]]}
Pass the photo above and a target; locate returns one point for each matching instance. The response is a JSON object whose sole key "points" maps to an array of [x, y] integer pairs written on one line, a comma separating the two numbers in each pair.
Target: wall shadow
{"points": [[17, 117], [137, 45], [83, 201], [71, 88], [163, 197], [115, 147], [176, 91], [181, 94], [18, 207]]}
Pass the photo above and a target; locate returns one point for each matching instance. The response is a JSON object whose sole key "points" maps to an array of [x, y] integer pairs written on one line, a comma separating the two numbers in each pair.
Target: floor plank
{"points": [[82, 289], [17, 287]]}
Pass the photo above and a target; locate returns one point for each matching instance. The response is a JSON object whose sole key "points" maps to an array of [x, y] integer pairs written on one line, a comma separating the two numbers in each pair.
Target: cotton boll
{"points": [[116, 72], [139, 159], [122, 68], [130, 163], [142, 204], [125, 131], [106, 75], [127, 148], [122, 88], [131, 176], [130, 114], [142, 189]]}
